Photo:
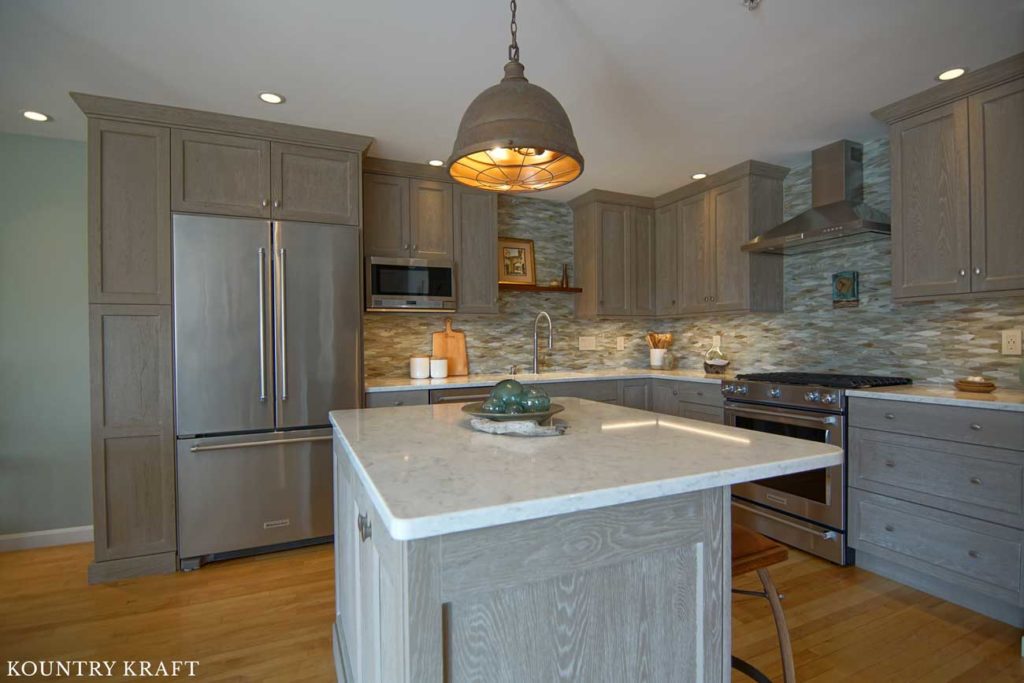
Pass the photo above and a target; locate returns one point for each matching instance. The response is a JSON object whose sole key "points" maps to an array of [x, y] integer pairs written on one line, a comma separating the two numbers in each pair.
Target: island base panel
{"points": [[638, 591]]}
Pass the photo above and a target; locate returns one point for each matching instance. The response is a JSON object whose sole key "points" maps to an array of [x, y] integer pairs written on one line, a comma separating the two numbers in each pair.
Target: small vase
{"points": [[715, 362], [565, 275], [658, 358]]}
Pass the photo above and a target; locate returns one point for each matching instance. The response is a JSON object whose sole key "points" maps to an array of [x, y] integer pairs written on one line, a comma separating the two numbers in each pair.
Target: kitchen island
{"points": [[599, 555]]}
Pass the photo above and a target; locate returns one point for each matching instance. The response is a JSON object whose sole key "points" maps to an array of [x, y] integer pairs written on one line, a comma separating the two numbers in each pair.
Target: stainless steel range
{"points": [[806, 510]]}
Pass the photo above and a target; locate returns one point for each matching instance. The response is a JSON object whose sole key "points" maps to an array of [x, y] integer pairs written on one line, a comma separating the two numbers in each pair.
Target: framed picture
{"points": [[516, 264], [846, 289]]}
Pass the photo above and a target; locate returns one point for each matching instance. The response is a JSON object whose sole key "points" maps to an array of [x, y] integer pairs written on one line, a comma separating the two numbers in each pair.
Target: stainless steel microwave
{"points": [[409, 284]]}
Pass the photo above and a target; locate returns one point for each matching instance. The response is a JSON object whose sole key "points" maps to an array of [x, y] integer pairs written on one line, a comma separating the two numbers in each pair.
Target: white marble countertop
{"points": [[375, 384], [946, 394], [428, 473]]}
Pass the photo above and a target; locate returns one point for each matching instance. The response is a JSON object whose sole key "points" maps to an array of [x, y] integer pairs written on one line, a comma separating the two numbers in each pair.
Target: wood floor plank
{"points": [[268, 618]]}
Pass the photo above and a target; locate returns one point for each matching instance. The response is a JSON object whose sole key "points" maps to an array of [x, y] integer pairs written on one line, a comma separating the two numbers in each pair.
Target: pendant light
{"points": [[515, 136]]}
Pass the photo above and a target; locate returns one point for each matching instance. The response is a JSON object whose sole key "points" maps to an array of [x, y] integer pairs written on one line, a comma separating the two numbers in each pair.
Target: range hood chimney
{"points": [[837, 208]]}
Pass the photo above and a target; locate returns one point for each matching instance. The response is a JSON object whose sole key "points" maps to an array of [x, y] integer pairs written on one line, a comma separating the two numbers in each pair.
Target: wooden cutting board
{"points": [[451, 344]]}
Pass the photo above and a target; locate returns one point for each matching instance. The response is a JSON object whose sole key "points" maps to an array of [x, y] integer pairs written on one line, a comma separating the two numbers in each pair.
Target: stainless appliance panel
{"points": [[249, 491], [817, 495], [222, 349], [318, 333], [817, 540]]}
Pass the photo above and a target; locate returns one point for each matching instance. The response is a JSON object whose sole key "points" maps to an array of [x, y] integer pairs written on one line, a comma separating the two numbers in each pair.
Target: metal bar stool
{"points": [[753, 552]]}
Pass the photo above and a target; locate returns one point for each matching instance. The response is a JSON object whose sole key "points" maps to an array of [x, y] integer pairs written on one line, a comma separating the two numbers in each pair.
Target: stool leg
{"points": [[785, 648]]}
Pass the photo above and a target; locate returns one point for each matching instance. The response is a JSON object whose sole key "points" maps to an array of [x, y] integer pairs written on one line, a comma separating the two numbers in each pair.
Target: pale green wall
{"points": [[44, 345]]}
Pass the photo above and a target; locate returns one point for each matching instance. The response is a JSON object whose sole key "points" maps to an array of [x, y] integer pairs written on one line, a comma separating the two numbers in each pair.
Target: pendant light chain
{"points": [[513, 49]]}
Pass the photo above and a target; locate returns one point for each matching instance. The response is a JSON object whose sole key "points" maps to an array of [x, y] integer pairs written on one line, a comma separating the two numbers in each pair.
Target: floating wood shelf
{"points": [[538, 288]]}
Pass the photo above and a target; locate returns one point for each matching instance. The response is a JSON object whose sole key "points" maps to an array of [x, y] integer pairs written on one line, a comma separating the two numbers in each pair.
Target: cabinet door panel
{"points": [[697, 411], [476, 230], [431, 219], [132, 430], [729, 207], [666, 266], [694, 254], [385, 215], [615, 256], [643, 265], [314, 184], [930, 197], [997, 203], [222, 174], [129, 213]]}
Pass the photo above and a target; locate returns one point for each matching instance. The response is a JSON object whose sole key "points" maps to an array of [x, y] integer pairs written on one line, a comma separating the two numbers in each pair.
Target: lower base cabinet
{"points": [[692, 400]]}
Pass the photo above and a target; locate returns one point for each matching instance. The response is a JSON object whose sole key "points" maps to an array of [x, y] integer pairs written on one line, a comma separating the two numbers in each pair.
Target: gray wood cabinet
{"points": [[692, 400], [696, 253], [615, 281], [408, 217], [957, 209], [729, 221], [635, 393], [314, 184], [936, 500], [996, 118], [129, 213], [132, 432], [476, 244], [220, 174], [394, 399], [146, 161], [643, 263], [668, 241]]}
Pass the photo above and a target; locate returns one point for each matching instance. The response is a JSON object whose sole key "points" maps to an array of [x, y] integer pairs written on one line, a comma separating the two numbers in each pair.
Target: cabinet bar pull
{"points": [[363, 524], [200, 448], [974, 553], [890, 527], [975, 480], [284, 325], [890, 416], [890, 463], [976, 427], [263, 324]]}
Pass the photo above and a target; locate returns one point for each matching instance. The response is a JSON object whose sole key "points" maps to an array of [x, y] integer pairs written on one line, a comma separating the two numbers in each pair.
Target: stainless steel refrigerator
{"points": [[267, 334]]}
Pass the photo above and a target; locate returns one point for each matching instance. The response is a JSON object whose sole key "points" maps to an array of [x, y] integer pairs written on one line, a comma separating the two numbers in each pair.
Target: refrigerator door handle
{"points": [[283, 322], [263, 324], [200, 448]]}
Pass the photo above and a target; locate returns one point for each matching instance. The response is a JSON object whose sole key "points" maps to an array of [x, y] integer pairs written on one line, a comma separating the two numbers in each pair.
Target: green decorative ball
{"points": [[493, 406], [513, 409], [509, 393], [535, 400]]}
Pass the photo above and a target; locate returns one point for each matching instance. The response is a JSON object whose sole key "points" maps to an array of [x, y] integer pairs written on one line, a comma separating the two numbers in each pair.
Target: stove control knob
{"points": [[730, 388], [742, 389], [828, 399], [775, 392], [811, 396]]}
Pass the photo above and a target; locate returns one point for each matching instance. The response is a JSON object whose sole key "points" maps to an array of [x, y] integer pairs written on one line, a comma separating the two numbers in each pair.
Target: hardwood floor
{"points": [[268, 618]]}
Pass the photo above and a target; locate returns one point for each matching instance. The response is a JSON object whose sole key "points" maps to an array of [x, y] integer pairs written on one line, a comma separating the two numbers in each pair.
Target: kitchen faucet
{"points": [[551, 336]]}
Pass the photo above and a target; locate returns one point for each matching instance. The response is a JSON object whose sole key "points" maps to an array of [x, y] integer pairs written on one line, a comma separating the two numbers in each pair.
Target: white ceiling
{"points": [[656, 89]]}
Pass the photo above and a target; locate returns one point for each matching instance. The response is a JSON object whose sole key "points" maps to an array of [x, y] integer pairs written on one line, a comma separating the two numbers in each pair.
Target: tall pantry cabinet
{"points": [[146, 161]]}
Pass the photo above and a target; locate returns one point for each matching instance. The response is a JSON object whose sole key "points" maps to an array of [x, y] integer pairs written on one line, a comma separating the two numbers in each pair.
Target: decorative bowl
{"points": [[476, 410]]}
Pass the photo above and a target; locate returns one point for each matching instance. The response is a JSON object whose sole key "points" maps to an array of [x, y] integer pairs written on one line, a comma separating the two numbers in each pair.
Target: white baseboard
{"points": [[48, 537]]}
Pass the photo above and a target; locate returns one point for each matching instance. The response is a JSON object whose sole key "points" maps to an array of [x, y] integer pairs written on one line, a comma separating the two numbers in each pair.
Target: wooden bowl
{"points": [[976, 385]]}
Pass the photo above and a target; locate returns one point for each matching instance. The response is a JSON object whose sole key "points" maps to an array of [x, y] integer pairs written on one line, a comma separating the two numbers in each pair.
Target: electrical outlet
{"points": [[588, 343], [1011, 343], [620, 343]]}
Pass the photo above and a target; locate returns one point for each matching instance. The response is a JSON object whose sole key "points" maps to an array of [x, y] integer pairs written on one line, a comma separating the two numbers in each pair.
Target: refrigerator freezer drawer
{"points": [[241, 492]]}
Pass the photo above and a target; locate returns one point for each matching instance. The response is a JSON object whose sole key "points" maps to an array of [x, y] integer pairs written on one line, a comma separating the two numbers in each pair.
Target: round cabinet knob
{"points": [[976, 427], [963, 272], [974, 553], [890, 416], [675, 393], [975, 480], [811, 396], [890, 463], [890, 527], [977, 271], [277, 203], [265, 203], [775, 392], [399, 403], [414, 247]]}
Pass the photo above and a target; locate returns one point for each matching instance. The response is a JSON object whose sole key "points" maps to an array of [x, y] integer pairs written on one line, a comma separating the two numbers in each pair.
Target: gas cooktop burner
{"points": [[825, 379]]}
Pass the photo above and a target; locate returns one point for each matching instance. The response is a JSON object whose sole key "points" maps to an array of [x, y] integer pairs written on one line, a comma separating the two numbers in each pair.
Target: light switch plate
{"points": [[620, 343], [588, 343], [1011, 343]]}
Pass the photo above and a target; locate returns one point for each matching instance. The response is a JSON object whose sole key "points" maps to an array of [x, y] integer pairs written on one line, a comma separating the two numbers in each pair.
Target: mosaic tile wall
{"points": [[929, 342]]}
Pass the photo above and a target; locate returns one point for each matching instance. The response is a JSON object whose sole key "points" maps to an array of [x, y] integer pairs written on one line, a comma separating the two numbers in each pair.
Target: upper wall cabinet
{"points": [[129, 216], [476, 244], [240, 176], [407, 217], [957, 206], [683, 257]]}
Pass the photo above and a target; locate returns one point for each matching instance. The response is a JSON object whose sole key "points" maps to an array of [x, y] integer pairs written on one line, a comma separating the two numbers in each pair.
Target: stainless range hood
{"points": [[838, 210]]}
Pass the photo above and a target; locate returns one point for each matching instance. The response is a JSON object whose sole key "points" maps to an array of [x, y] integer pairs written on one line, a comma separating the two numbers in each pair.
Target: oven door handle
{"points": [[739, 408], [825, 535]]}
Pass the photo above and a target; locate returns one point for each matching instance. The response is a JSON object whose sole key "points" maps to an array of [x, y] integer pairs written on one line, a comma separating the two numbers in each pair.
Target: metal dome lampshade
{"points": [[515, 136]]}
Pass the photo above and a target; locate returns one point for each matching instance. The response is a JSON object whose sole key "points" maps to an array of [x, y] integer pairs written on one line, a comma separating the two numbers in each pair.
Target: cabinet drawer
{"points": [[1002, 429], [599, 390], [974, 480], [693, 392], [387, 399], [984, 556], [700, 411], [460, 395]]}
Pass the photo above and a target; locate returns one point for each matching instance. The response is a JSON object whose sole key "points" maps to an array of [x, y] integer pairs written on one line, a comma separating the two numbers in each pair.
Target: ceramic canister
{"points": [[439, 368], [419, 367], [658, 358]]}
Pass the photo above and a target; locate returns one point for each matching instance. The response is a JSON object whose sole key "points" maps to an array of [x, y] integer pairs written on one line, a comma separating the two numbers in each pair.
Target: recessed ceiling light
{"points": [[37, 116], [436, 162], [699, 176], [950, 74], [271, 97]]}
